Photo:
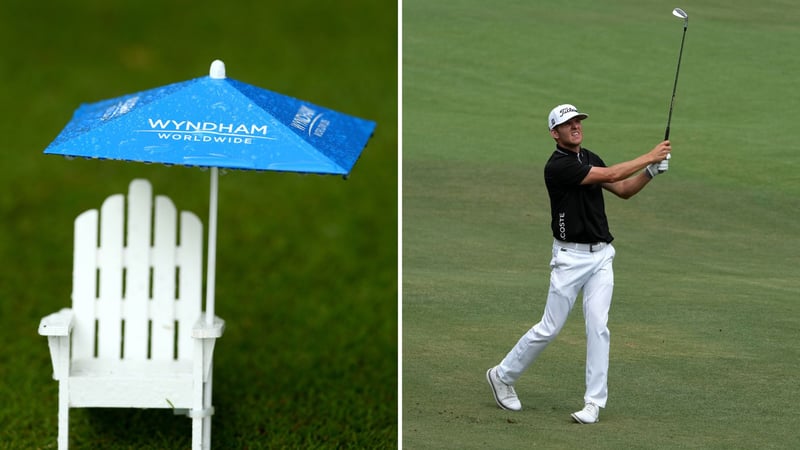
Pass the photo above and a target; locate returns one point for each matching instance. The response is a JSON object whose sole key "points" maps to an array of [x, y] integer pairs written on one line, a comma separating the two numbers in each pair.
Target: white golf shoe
{"points": [[504, 394], [589, 414]]}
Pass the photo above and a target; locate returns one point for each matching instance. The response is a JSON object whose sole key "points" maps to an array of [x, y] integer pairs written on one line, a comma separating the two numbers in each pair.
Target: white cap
{"points": [[563, 113]]}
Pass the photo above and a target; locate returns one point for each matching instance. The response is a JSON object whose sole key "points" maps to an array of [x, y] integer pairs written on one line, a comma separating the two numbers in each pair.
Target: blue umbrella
{"points": [[216, 122]]}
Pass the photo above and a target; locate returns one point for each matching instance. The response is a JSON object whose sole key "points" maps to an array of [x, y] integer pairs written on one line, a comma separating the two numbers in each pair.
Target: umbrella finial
{"points": [[217, 70]]}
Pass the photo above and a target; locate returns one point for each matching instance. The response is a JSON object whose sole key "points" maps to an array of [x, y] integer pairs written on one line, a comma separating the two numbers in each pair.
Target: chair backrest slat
{"points": [[84, 284], [137, 271], [109, 305], [164, 271], [190, 285]]}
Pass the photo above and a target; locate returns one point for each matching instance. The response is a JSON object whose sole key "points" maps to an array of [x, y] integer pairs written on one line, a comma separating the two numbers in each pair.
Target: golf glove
{"points": [[657, 168]]}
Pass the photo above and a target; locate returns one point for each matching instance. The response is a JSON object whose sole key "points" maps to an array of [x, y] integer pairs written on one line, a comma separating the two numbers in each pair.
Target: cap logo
{"points": [[566, 110]]}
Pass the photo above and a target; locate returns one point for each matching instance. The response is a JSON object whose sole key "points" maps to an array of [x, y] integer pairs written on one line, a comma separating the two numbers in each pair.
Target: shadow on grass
{"points": [[121, 428]]}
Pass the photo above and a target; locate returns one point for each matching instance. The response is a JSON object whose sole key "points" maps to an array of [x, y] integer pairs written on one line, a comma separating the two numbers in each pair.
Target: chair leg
{"points": [[207, 404], [207, 433], [197, 433], [63, 415]]}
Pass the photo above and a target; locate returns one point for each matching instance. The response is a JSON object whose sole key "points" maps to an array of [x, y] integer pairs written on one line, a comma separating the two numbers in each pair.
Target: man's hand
{"points": [[661, 155], [660, 152]]}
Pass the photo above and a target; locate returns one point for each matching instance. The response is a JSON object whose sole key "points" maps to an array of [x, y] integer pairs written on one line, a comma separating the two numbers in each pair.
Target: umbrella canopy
{"points": [[214, 121]]}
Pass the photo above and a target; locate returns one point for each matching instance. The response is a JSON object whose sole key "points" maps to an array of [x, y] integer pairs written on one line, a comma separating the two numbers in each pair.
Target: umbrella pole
{"points": [[212, 246]]}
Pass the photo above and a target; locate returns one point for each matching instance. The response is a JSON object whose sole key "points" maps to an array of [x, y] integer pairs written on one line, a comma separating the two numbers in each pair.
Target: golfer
{"points": [[582, 257]]}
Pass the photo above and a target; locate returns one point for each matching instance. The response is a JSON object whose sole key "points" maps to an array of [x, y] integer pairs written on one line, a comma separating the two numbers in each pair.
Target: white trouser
{"points": [[571, 271]]}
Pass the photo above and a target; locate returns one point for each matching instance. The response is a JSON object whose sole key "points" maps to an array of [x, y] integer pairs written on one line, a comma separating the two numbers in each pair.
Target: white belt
{"points": [[596, 247]]}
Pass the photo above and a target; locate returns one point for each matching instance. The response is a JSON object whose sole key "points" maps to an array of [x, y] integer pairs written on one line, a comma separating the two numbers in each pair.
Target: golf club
{"points": [[679, 13]]}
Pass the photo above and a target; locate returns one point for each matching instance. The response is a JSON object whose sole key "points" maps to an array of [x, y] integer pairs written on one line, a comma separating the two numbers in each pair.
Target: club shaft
{"points": [[675, 85]]}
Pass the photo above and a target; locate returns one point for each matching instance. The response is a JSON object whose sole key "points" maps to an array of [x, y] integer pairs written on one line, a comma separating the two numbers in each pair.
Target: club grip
{"points": [[666, 134]]}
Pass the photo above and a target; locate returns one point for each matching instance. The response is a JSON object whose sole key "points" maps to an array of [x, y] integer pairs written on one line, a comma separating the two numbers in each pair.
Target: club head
{"points": [[677, 12]]}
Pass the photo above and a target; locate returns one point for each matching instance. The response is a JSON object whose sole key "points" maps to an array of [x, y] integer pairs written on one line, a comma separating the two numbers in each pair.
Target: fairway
{"points": [[306, 264], [705, 314]]}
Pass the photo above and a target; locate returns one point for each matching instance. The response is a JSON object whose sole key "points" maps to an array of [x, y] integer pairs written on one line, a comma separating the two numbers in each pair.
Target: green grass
{"points": [[705, 315], [307, 265]]}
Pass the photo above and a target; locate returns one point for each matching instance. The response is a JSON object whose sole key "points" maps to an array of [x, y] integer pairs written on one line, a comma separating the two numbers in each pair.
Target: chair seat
{"points": [[130, 384]]}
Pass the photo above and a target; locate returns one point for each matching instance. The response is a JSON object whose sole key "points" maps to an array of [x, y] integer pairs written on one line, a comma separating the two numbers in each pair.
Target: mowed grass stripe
{"points": [[704, 310]]}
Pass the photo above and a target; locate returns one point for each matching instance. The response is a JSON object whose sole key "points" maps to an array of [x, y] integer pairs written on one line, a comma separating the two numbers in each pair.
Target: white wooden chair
{"points": [[136, 336]]}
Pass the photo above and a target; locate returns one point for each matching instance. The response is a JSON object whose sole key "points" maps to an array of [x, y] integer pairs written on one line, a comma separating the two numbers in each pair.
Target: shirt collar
{"points": [[563, 150]]}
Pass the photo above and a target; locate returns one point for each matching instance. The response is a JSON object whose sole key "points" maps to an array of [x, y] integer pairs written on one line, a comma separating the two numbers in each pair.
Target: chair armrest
{"points": [[203, 330], [57, 324]]}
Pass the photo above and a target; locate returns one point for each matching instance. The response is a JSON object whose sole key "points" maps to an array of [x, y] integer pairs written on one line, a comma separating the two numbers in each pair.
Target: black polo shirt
{"points": [[578, 211]]}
